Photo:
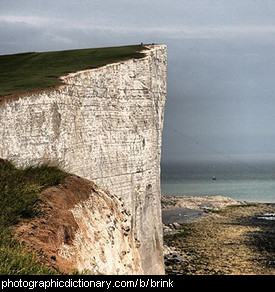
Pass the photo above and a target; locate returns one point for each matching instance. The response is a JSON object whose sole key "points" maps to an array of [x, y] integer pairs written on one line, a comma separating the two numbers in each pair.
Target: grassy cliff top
{"points": [[34, 71]]}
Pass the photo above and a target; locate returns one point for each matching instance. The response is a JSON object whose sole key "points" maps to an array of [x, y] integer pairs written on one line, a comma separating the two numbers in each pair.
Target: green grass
{"points": [[19, 195], [32, 71]]}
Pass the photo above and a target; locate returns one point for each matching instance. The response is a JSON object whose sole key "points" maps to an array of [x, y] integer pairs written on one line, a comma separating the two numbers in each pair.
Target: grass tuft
{"points": [[19, 195]]}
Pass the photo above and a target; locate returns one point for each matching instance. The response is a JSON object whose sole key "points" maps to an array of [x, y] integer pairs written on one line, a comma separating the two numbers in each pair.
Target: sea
{"points": [[244, 181]]}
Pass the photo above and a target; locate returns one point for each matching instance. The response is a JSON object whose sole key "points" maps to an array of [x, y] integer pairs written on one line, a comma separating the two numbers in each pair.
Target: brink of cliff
{"points": [[39, 70]]}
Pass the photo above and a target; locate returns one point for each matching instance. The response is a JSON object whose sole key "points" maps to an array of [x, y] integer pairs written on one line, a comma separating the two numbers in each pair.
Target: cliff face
{"points": [[82, 228], [105, 125]]}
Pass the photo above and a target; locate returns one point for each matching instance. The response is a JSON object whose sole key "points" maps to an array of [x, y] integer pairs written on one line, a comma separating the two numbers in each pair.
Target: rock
{"points": [[203, 203], [94, 244], [176, 225]]}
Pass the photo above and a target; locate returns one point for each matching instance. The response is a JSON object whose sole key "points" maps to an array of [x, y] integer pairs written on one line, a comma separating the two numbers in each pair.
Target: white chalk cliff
{"points": [[104, 125]]}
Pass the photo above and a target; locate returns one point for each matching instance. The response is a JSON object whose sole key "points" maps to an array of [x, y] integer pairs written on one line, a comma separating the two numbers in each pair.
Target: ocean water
{"points": [[240, 181]]}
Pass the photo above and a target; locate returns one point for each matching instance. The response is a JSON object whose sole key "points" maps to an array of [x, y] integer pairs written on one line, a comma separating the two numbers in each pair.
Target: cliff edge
{"points": [[105, 125]]}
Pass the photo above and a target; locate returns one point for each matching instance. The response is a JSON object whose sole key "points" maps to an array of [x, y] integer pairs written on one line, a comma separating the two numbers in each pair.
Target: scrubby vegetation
{"points": [[19, 195], [32, 71]]}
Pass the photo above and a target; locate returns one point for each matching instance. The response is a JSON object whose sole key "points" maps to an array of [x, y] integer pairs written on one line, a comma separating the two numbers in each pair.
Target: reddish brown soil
{"points": [[56, 224]]}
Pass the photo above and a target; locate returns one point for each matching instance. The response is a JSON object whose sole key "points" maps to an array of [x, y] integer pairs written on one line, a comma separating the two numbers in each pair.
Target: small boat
{"points": [[213, 178]]}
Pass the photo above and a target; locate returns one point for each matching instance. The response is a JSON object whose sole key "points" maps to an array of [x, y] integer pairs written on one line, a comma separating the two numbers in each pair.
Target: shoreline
{"points": [[218, 236], [187, 209]]}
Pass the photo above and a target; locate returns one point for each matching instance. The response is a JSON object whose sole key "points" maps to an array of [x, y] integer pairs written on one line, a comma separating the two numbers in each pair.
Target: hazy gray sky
{"points": [[221, 62]]}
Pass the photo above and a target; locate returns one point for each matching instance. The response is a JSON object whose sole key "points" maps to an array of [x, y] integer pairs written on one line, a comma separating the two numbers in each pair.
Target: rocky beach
{"points": [[218, 236]]}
